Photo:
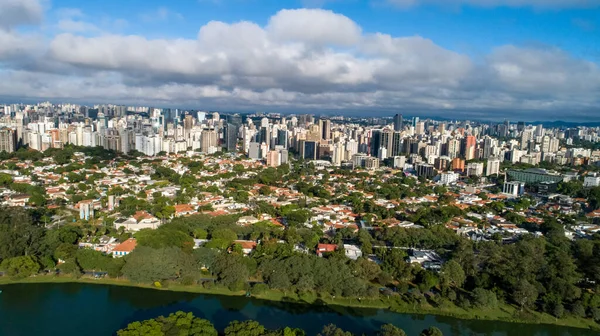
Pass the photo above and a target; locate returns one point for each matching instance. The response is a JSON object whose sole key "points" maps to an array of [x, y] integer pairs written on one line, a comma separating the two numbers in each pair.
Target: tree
{"points": [[145, 328], [452, 274], [19, 235], [163, 237], [524, 293], [264, 190], [231, 270], [390, 330], [93, 260], [483, 298], [178, 323], [146, 264], [20, 267], [431, 331], [332, 330], [246, 328]]}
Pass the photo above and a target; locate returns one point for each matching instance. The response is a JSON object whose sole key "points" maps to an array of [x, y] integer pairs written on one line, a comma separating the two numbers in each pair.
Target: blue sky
{"points": [[465, 28], [472, 58]]}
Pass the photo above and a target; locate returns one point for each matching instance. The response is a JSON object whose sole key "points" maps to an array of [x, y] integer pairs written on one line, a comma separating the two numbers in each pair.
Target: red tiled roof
{"points": [[140, 215], [126, 246], [245, 244], [326, 247]]}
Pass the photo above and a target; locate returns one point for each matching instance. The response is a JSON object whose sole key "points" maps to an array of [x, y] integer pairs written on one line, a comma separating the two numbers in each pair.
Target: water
{"points": [[83, 309]]}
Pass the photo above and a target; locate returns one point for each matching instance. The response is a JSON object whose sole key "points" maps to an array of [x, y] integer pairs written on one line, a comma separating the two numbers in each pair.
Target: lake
{"points": [[84, 309]]}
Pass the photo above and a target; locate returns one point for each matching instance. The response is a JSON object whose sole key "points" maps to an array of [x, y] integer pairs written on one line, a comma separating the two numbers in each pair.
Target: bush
{"points": [[188, 281], [259, 288], [208, 284], [236, 286]]}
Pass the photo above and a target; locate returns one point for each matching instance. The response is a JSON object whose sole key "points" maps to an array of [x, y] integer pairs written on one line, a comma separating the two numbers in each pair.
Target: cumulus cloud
{"points": [[316, 26], [20, 12], [301, 59], [507, 3]]}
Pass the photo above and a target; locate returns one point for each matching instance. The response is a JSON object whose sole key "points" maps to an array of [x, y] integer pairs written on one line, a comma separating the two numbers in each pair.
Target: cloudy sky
{"points": [[487, 59]]}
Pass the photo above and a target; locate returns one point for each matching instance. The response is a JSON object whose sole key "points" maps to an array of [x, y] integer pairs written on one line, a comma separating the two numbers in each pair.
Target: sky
{"points": [[480, 59]]}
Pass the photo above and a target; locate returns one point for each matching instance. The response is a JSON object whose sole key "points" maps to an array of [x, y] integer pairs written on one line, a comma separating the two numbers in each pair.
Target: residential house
{"points": [[140, 220], [325, 248], [124, 248], [247, 246], [184, 210]]}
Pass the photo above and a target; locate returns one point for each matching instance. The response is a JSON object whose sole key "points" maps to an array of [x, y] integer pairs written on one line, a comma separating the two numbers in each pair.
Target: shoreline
{"points": [[503, 313]]}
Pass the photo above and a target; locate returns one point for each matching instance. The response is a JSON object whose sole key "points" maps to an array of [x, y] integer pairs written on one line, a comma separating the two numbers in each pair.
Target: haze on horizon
{"points": [[530, 60]]}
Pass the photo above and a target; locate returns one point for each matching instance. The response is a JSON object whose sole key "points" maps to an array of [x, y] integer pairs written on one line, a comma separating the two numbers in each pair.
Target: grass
{"points": [[503, 312]]}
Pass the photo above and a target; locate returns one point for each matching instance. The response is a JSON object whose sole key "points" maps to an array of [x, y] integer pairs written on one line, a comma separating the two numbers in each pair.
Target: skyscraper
{"points": [[8, 140], [230, 137], [376, 140], [398, 122], [325, 128], [469, 143]]}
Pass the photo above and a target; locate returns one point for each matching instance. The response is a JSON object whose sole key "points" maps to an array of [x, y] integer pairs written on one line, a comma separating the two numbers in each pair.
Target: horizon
{"points": [[529, 60]]}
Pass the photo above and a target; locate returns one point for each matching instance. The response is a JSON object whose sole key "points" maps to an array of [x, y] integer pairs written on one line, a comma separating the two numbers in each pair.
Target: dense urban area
{"points": [[471, 219]]}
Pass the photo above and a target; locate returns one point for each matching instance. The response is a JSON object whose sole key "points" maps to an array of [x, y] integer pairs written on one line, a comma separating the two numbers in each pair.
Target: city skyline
{"points": [[492, 60]]}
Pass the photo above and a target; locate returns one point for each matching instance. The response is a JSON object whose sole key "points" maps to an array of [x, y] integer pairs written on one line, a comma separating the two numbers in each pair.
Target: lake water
{"points": [[83, 309]]}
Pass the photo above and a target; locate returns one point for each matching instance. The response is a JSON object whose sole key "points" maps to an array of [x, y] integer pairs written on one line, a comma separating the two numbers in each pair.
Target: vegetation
{"points": [[181, 323]]}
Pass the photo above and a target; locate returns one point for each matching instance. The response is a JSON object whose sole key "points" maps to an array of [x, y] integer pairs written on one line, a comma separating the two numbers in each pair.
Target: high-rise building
{"points": [[475, 169], [273, 158], [458, 164], [526, 136], [493, 167], [208, 140], [8, 140], [468, 147], [325, 129], [254, 150], [230, 137], [420, 128], [308, 150], [376, 140], [398, 122]]}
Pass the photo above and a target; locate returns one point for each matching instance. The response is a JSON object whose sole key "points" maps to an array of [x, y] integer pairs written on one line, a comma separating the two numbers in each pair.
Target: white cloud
{"points": [[296, 61], [317, 26], [20, 12]]}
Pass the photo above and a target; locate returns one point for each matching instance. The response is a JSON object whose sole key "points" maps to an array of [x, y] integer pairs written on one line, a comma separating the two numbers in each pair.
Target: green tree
{"points": [[431, 331], [390, 330], [245, 328], [524, 293], [146, 264], [144, 328], [452, 274], [20, 267], [483, 298], [332, 330]]}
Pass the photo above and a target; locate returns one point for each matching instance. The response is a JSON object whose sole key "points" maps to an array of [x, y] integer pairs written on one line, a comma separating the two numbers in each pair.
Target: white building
{"points": [[448, 178], [592, 180], [475, 169], [514, 188], [493, 167]]}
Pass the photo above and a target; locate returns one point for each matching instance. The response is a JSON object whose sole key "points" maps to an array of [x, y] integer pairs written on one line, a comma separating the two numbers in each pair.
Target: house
{"points": [[247, 245], [325, 248], [352, 251], [140, 220], [124, 248], [426, 258], [247, 220], [184, 210], [17, 200]]}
